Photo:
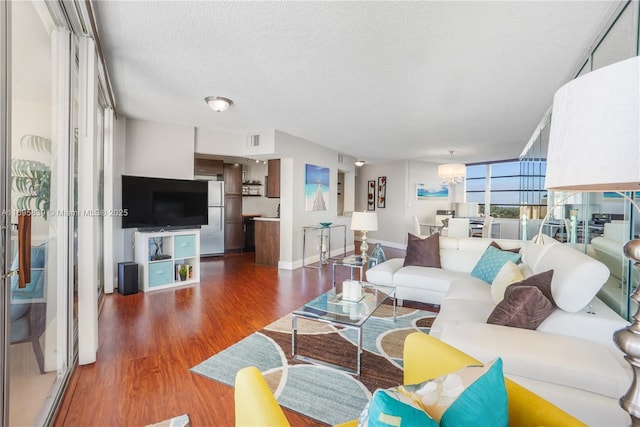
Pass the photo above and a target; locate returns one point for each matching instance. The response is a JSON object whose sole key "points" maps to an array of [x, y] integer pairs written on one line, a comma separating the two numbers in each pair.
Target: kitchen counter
{"points": [[267, 241], [267, 218]]}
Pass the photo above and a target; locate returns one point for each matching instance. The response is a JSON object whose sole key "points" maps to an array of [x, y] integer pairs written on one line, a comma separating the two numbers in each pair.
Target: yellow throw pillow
{"points": [[508, 274]]}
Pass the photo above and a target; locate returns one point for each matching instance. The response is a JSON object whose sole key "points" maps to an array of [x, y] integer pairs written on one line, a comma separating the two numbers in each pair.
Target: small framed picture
{"points": [[371, 196], [382, 191]]}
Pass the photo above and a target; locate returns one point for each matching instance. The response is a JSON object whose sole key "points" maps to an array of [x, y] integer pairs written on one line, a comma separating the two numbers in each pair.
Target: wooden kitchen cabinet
{"points": [[233, 221], [273, 181], [208, 167], [232, 179], [233, 224]]}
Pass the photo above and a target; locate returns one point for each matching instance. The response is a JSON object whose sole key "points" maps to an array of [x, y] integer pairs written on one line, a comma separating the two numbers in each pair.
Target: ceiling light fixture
{"points": [[452, 173], [359, 163], [218, 103]]}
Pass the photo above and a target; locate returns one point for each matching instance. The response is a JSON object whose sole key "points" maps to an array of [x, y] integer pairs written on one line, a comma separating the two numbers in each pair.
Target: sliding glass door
{"points": [[36, 212]]}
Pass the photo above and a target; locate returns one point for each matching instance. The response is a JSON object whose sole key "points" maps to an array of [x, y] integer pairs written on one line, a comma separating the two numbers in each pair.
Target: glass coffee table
{"points": [[332, 309]]}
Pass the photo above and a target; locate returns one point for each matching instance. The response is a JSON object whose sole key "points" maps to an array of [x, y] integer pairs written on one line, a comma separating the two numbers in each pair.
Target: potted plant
{"points": [[32, 179], [183, 271]]}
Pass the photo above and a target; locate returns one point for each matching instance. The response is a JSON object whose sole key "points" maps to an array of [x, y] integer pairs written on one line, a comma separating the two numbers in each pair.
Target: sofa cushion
{"points": [[491, 262], [542, 356], [469, 288], [473, 395], [577, 278], [526, 304], [382, 274], [423, 252], [508, 274], [532, 252], [461, 310], [435, 279]]}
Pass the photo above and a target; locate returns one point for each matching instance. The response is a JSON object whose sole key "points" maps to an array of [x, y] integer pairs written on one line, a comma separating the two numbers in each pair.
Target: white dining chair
{"points": [[485, 232]]}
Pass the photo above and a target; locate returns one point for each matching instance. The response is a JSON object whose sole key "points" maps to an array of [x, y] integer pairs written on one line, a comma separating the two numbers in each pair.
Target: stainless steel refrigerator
{"points": [[212, 235]]}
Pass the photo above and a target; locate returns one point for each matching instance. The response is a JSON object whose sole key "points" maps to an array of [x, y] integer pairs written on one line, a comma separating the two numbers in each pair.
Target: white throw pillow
{"points": [[508, 274]]}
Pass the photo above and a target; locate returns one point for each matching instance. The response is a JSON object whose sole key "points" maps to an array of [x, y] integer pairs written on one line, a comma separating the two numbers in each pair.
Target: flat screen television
{"points": [[163, 203]]}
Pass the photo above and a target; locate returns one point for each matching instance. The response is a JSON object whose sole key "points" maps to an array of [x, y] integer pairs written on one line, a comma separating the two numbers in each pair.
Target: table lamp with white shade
{"points": [[364, 222], [594, 145]]}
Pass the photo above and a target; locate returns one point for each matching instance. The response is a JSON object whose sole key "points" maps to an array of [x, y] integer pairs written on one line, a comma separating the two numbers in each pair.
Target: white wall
{"points": [[395, 220], [295, 153], [209, 141], [159, 149]]}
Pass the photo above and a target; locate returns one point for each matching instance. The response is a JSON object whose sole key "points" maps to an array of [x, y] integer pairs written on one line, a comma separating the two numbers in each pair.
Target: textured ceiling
{"points": [[375, 80]]}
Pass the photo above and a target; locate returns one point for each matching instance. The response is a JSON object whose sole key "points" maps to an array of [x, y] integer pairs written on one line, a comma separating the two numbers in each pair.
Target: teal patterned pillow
{"points": [[491, 262], [472, 396], [393, 407]]}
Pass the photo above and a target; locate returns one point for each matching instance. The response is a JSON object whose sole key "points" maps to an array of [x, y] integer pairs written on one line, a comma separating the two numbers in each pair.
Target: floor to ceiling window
{"points": [[598, 223], [36, 296]]}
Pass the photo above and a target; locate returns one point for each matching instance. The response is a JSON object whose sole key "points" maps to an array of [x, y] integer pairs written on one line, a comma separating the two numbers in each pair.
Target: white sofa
{"points": [[570, 359]]}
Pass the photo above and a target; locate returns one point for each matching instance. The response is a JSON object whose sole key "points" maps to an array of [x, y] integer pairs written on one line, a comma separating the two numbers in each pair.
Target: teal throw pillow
{"points": [[491, 262], [393, 407], [472, 396]]}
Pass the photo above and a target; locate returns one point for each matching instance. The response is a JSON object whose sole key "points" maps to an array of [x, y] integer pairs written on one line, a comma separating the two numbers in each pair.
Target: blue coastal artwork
{"points": [[424, 192], [316, 188]]}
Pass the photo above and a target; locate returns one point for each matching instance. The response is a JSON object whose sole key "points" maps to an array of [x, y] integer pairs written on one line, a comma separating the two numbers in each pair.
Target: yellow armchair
{"points": [[255, 405], [425, 357]]}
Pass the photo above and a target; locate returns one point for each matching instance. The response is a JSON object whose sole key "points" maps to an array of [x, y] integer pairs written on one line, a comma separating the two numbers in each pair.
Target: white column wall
{"points": [[87, 184], [55, 339], [109, 219], [117, 169]]}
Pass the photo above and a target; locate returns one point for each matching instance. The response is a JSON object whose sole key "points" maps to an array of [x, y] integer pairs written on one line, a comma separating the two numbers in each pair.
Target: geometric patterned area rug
{"points": [[327, 395]]}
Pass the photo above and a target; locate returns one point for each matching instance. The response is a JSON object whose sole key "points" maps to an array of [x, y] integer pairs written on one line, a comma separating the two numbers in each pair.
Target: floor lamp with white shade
{"points": [[594, 145]]}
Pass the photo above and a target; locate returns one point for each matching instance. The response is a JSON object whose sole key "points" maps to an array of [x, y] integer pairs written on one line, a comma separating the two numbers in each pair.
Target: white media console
{"points": [[167, 258]]}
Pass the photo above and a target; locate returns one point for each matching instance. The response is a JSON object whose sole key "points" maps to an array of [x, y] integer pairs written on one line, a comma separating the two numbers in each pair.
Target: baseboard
{"points": [[394, 245], [293, 265]]}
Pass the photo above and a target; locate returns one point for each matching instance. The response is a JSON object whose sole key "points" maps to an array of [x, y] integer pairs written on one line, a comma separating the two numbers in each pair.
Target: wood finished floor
{"points": [[148, 342]]}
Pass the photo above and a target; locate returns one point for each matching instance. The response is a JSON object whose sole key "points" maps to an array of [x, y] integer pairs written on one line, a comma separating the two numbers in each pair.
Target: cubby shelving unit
{"points": [[159, 255]]}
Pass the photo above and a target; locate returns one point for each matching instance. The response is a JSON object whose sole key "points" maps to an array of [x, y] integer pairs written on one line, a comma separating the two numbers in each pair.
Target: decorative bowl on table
{"points": [[325, 224]]}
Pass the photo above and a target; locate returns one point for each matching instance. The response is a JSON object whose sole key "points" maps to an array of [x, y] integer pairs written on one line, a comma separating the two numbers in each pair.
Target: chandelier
{"points": [[452, 173]]}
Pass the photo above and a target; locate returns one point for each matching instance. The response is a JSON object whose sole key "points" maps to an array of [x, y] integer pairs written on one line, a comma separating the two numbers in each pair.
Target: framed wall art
{"points": [[423, 192], [371, 196], [382, 191], [316, 188]]}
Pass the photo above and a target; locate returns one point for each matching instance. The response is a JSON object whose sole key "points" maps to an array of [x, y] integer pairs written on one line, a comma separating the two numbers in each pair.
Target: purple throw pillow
{"points": [[526, 303], [497, 246], [423, 252]]}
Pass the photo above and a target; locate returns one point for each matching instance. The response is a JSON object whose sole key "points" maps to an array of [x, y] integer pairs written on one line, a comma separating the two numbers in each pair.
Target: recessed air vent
{"points": [[254, 141], [340, 158]]}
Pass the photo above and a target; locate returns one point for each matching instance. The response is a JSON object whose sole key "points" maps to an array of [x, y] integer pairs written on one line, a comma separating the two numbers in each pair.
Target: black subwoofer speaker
{"points": [[127, 278]]}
